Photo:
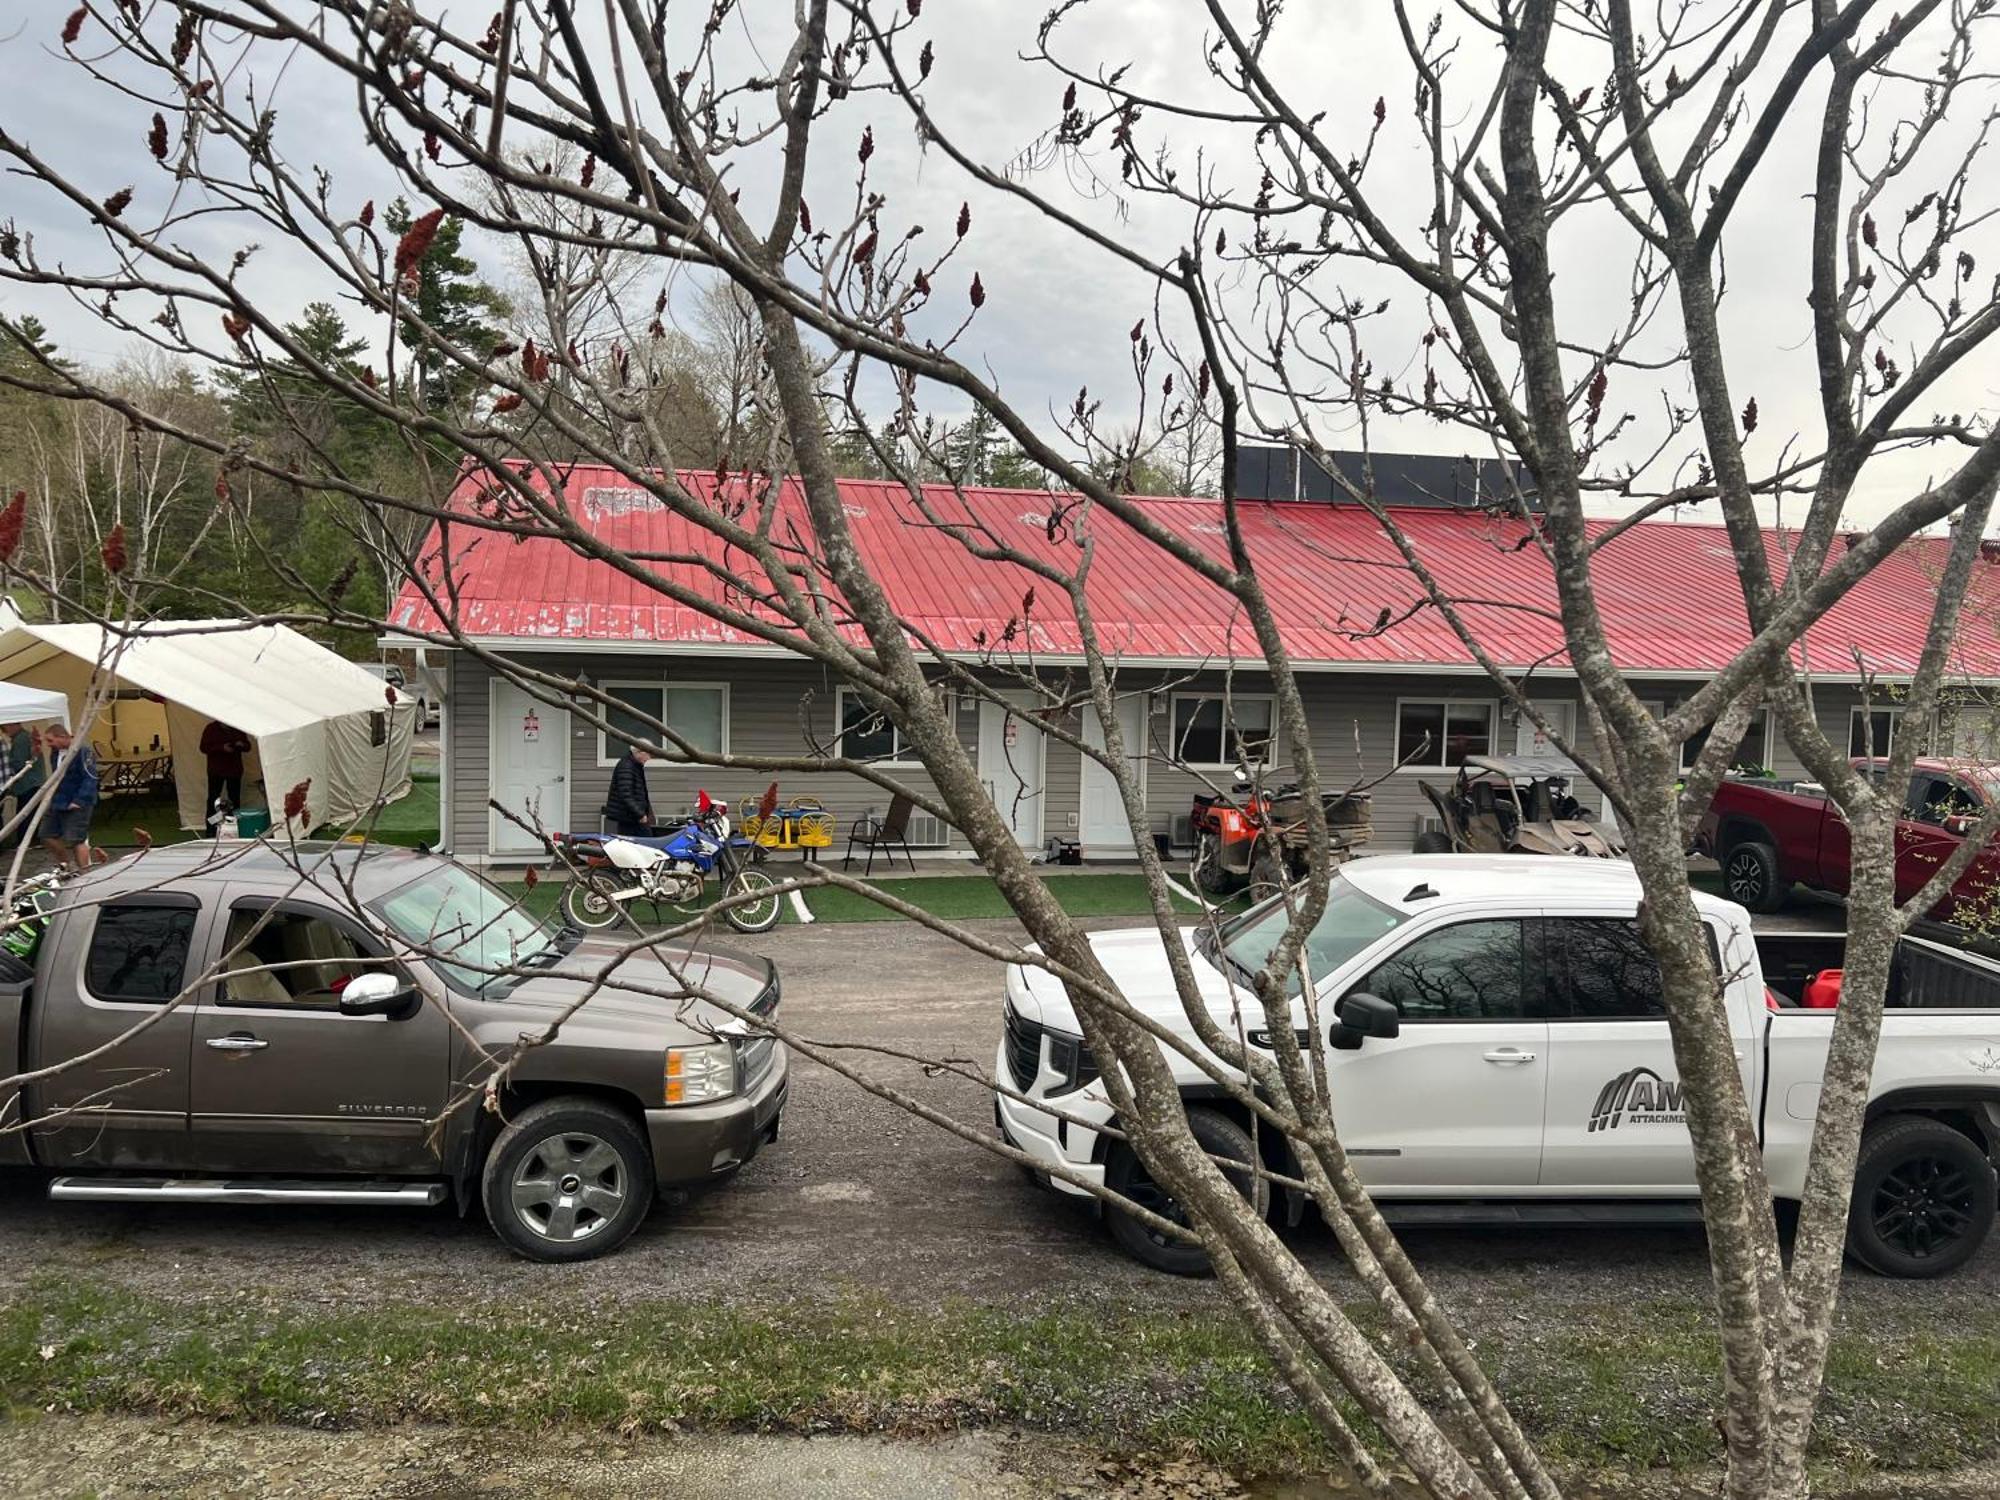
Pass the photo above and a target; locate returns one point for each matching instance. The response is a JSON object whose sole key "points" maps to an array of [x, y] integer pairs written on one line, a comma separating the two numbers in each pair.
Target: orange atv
{"points": [[1258, 838]]}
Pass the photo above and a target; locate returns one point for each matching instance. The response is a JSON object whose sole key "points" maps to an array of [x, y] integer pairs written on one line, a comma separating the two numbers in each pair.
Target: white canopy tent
{"points": [[20, 704], [311, 715]]}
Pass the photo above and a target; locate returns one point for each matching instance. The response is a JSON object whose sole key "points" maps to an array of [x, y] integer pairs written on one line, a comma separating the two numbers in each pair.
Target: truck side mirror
{"points": [[378, 994], [1362, 1015]]}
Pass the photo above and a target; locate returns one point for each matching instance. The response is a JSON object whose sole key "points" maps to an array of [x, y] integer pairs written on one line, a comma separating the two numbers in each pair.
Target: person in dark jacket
{"points": [[630, 805], [224, 746], [21, 765]]}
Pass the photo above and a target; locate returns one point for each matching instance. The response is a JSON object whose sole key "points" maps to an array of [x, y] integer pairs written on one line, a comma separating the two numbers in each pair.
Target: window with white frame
{"points": [[1874, 731], [1753, 752], [696, 711], [1211, 729], [868, 735], [1436, 734]]}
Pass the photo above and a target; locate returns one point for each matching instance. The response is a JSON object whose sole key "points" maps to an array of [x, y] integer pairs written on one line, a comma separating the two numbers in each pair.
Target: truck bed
{"points": [[1924, 975]]}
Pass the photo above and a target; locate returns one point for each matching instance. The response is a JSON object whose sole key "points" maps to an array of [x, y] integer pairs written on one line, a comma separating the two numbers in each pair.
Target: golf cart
{"points": [[1515, 804]]}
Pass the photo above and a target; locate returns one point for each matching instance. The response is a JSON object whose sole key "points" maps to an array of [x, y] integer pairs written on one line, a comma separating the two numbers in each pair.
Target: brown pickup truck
{"points": [[291, 1057]]}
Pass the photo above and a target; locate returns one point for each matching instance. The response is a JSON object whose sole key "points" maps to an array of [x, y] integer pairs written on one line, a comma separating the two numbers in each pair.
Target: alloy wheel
{"points": [[1744, 877], [569, 1186], [1923, 1206]]}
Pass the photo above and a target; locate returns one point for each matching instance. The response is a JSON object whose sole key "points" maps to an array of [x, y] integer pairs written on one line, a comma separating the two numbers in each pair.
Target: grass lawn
{"points": [[411, 821], [1624, 1388], [962, 897], [955, 897]]}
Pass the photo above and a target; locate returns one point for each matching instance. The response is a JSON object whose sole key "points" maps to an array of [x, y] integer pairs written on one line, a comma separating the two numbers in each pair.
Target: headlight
{"points": [[1071, 1058], [696, 1075]]}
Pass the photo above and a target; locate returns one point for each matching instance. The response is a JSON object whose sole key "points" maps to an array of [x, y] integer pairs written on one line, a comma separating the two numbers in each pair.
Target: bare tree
{"points": [[1277, 297]]}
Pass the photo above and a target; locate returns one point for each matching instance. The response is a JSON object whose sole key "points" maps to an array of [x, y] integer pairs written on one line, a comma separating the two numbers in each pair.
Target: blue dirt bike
{"points": [[609, 872]]}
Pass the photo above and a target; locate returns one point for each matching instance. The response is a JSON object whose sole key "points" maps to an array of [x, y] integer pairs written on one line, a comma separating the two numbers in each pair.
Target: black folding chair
{"points": [[889, 834]]}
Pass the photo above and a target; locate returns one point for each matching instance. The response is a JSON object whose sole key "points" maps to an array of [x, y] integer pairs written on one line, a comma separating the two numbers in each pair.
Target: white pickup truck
{"points": [[1521, 1071]]}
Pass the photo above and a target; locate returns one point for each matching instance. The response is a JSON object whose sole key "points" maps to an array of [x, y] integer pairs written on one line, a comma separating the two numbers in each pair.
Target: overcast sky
{"points": [[1058, 311]]}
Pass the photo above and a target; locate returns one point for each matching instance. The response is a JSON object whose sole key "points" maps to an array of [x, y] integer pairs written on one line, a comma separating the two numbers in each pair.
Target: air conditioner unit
{"points": [[1427, 823], [928, 830], [1180, 833]]}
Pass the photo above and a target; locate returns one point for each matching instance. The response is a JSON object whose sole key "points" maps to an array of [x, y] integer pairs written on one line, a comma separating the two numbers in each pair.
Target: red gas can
{"points": [[1822, 990]]}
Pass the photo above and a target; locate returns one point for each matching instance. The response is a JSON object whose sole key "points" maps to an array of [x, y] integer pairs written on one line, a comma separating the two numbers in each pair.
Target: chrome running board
{"points": [[232, 1190]]}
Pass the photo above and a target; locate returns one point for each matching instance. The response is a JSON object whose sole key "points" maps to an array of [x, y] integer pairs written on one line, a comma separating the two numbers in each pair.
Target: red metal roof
{"points": [[1668, 591]]}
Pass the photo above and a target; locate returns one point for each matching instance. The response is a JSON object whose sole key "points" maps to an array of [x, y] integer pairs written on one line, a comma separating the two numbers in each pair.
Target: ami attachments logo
{"points": [[1641, 1097]]}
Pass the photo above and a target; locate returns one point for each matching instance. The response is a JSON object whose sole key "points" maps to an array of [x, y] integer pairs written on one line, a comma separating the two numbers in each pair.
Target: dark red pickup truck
{"points": [[1768, 834]]}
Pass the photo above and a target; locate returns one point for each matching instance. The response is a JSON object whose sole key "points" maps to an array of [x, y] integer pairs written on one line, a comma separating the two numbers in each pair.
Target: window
{"points": [[867, 735], [1873, 731], [1467, 972], [697, 711], [378, 729], [1933, 799], [1753, 753], [470, 929], [139, 952], [1211, 730], [293, 960], [1349, 924], [1608, 973], [1437, 733]]}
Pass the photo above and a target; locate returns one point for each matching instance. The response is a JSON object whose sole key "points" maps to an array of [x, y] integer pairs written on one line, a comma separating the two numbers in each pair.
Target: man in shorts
{"points": [[67, 834]]}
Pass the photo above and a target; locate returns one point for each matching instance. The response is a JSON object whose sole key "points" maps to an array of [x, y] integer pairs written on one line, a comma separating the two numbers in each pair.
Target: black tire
{"points": [[1209, 876], [1923, 1198], [14, 969], [1750, 877], [587, 1160], [1124, 1173], [587, 902], [1430, 841], [762, 914]]}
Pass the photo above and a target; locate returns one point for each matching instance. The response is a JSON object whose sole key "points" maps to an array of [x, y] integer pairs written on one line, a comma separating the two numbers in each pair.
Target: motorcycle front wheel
{"points": [[752, 913], [587, 902]]}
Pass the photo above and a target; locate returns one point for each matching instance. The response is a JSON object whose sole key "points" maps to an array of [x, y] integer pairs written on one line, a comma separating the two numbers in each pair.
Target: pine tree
{"points": [[452, 299]]}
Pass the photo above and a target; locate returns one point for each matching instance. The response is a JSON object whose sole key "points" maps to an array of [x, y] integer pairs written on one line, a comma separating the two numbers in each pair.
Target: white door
{"points": [[1617, 1121], [1012, 749], [1105, 832], [1528, 736], [1455, 1102], [528, 742]]}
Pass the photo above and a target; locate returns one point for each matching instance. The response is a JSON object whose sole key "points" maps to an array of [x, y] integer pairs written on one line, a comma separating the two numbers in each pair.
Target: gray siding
{"points": [[1353, 718], [772, 705]]}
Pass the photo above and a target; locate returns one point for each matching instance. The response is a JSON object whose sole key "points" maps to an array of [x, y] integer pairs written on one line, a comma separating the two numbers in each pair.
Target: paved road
{"points": [[856, 1194]]}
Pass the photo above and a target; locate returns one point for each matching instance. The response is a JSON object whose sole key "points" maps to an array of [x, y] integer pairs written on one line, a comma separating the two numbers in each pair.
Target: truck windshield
{"points": [[1350, 924], [467, 927]]}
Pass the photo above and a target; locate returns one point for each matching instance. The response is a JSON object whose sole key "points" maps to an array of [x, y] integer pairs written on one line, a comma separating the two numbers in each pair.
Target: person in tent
{"points": [[22, 773], [630, 803], [224, 745], [67, 835]]}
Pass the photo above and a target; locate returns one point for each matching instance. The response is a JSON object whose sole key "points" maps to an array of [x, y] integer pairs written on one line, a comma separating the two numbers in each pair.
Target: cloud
{"points": [[1058, 308]]}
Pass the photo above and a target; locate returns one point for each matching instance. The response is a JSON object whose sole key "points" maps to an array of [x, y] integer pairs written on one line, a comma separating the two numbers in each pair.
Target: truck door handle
{"points": [[238, 1041], [1509, 1055]]}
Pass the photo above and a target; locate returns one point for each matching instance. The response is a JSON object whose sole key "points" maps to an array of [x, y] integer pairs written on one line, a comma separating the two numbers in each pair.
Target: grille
{"points": [[755, 1053], [1024, 1050], [756, 1056]]}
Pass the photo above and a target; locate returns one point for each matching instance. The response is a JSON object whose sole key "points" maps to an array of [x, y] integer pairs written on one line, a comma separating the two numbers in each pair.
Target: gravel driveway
{"points": [[855, 1195]]}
